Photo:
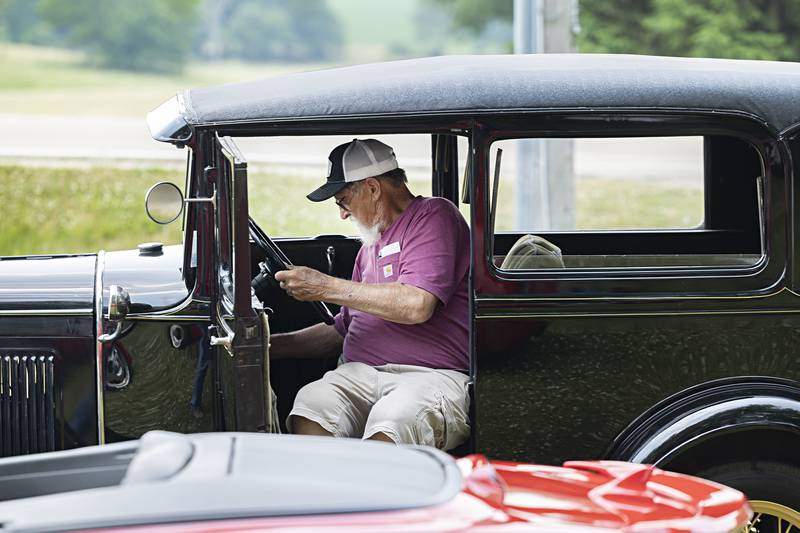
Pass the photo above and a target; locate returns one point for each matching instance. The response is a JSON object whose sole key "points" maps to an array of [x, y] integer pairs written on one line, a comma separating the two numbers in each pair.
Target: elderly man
{"points": [[403, 327]]}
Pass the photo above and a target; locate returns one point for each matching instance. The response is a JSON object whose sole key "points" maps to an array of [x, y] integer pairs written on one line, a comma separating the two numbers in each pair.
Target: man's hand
{"points": [[305, 284], [396, 302]]}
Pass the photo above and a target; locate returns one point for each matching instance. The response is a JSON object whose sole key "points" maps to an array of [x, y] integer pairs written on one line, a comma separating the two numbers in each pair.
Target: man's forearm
{"points": [[319, 340], [391, 301], [396, 302]]}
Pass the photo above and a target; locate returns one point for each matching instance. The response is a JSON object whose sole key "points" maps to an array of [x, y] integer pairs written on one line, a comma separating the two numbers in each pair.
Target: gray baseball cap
{"points": [[356, 160]]}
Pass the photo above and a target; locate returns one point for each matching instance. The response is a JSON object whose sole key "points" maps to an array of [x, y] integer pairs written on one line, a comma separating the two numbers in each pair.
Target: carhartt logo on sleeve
{"points": [[389, 249], [387, 270]]}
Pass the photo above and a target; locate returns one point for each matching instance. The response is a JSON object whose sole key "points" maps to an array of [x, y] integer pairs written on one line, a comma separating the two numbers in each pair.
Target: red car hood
{"points": [[497, 496], [605, 495]]}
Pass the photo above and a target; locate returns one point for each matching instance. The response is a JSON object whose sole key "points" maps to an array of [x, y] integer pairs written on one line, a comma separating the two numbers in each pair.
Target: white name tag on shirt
{"points": [[389, 249]]}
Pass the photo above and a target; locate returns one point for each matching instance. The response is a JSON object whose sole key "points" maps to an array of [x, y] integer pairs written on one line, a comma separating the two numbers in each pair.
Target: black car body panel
{"points": [[41, 284], [153, 279]]}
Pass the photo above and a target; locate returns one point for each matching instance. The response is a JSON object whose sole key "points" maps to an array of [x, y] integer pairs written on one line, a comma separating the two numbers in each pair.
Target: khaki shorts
{"points": [[410, 404]]}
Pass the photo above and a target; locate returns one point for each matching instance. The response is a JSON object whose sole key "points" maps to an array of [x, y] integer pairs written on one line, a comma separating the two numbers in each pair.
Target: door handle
{"points": [[225, 341]]}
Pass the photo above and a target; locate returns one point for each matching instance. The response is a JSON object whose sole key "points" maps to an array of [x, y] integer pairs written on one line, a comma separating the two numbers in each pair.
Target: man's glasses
{"points": [[343, 203]]}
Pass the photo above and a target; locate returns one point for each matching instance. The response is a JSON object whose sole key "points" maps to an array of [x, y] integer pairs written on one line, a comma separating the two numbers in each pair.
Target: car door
{"points": [[638, 310], [237, 330]]}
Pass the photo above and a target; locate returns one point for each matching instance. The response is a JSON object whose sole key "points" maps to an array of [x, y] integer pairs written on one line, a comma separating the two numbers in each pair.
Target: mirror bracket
{"points": [[108, 337], [211, 199]]}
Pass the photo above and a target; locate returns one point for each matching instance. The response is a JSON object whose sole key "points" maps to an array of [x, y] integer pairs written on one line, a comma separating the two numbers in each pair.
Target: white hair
{"points": [[369, 235]]}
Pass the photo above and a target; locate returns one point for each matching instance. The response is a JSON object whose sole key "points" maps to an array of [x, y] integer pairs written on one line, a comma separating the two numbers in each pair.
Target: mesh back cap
{"points": [[354, 161], [367, 158]]}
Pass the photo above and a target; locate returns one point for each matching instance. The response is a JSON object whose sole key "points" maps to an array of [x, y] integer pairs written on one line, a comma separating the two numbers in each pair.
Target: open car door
{"points": [[240, 330]]}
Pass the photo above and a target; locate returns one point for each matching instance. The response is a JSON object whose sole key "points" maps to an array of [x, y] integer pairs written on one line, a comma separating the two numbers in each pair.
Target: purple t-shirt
{"points": [[427, 246]]}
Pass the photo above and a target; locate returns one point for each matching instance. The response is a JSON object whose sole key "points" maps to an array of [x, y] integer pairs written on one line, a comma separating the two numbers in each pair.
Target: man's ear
{"points": [[374, 187]]}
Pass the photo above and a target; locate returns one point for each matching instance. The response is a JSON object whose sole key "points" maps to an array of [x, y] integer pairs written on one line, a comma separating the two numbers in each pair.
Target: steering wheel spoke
{"points": [[275, 261]]}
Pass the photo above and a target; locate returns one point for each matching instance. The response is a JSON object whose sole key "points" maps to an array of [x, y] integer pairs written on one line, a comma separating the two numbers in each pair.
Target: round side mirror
{"points": [[163, 202]]}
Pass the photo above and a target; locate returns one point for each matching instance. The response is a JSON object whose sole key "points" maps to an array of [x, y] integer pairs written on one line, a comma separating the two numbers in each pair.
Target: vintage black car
{"points": [[674, 345]]}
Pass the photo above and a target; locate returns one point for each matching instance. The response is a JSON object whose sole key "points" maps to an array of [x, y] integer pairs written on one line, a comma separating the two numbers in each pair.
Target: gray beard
{"points": [[369, 235]]}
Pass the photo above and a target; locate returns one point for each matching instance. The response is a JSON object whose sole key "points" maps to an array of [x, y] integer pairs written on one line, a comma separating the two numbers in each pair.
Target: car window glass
{"points": [[624, 202], [283, 170]]}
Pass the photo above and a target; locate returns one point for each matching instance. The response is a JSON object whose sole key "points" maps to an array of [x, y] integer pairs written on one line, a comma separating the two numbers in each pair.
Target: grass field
{"points": [[69, 210], [57, 81]]}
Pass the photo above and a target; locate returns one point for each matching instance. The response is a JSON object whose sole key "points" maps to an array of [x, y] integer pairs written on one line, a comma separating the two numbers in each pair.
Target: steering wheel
{"points": [[275, 261]]}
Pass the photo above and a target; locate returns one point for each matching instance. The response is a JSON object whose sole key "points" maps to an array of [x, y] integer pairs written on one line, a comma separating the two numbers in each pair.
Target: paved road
{"points": [[52, 139]]}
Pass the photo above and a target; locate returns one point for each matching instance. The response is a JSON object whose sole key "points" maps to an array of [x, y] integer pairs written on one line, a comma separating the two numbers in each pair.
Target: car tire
{"points": [[773, 490]]}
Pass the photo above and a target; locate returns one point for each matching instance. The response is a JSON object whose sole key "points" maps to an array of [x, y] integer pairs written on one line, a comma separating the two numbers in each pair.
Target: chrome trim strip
{"points": [[157, 315], [493, 300], [166, 312], [46, 312], [167, 318], [98, 310], [557, 314]]}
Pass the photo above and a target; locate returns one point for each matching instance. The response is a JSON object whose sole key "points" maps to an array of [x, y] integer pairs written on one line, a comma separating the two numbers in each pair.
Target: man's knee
{"points": [[396, 416], [314, 395], [382, 437], [414, 417], [303, 426], [311, 406]]}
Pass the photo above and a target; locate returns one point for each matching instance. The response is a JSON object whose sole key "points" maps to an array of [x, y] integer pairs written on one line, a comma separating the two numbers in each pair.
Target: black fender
{"points": [[715, 419]]}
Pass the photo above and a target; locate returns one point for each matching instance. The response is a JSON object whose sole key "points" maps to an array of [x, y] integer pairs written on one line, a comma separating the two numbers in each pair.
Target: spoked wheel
{"points": [[773, 490], [771, 517]]}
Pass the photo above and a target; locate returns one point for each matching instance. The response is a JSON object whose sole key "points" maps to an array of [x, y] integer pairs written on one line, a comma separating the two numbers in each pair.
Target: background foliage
{"points": [[141, 35], [269, 30], [161, 36], [745, 29]]}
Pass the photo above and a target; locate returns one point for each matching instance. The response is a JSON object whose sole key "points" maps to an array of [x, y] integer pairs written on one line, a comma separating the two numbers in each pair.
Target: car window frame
{"points": [[767, 272]]}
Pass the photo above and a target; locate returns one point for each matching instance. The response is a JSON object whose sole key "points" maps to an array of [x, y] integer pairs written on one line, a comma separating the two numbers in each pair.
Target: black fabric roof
{"points": [[766, 89]]}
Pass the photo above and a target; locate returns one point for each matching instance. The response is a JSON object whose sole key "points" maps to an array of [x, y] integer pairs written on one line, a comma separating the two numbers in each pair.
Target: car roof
{"points": [[767, 90]]}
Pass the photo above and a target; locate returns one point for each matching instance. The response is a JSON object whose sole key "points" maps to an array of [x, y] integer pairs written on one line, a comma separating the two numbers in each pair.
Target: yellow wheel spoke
{"points": [[764, 512]]}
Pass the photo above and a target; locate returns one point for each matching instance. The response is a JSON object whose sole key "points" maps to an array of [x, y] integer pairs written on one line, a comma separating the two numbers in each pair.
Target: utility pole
{"points": [[530, 183], [544, 185]]}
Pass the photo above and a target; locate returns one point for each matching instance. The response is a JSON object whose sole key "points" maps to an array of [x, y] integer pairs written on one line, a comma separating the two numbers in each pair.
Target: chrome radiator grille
{"points": [[27, 403]]}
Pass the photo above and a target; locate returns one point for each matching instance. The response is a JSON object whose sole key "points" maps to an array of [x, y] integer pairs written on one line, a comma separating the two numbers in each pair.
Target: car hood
{"points": [[66, 283], [256, 482], [153, 280], [42, 284]]}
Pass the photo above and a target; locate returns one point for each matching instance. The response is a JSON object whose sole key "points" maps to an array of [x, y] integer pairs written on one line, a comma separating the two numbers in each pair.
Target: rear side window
{"points": [[625, 202]]}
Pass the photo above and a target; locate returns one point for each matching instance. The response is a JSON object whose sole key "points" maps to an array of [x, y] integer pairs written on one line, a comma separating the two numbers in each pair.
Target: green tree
{"points": [[153, 35], [296, 30], [317, 29], [749, 29], [475, 15], [254, 33], [613, 27], [20, 23]]}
